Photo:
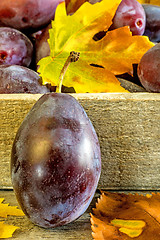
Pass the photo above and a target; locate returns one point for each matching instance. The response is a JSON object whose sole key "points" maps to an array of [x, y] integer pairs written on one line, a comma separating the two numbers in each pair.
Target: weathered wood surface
{"points": [[80, 229], [77, 230], [128, 128]]}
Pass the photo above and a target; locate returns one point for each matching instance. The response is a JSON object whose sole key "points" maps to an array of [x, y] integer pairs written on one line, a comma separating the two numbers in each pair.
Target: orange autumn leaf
{"points": [[115, 53], [120, 50], [6, 230], [120, 216]]}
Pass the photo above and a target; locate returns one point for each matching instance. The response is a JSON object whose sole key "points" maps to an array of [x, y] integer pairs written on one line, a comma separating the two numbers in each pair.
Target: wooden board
{"points": [[80, 229], [127, 125]]}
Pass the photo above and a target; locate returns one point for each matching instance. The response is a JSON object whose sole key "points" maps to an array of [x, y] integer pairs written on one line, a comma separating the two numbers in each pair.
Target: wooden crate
{"points": [[128, 128]]}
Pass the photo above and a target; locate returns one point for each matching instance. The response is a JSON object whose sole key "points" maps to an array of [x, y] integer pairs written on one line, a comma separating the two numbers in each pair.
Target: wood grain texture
{"points": [[80, 229], [127, 125]]}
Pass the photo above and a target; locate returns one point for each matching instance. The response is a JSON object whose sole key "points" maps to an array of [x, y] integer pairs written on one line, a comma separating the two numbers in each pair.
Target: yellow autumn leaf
{"points": [[6, 210], [6, 230], [133, 228], [114, 54]]}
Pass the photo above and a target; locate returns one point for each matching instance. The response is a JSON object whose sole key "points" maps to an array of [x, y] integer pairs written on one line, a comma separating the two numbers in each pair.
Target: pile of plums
{"points": [[24, 26]]}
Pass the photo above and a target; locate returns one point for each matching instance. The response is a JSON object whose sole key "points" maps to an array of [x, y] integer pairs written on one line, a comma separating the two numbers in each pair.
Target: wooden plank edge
{"points": [[90, 96]]}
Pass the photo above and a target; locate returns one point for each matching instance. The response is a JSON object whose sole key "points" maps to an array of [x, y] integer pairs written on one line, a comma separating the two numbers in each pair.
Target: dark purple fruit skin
{"points": [[55, 161], [19, 79], [41, 45], [149, 69], [27, 14], [15, 47], [130, 13], [152, 29]]}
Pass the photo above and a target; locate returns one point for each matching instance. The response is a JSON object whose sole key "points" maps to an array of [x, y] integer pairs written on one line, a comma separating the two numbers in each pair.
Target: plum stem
{"points": [[73, 57]]}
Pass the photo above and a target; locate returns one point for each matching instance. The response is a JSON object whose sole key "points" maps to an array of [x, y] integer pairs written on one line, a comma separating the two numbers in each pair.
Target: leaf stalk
{"points": [[73, 57]]}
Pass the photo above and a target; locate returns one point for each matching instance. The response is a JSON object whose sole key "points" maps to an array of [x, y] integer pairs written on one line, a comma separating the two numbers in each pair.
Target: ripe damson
{"points": [[149, 69], [27, 14], [41, 45], [152, 29], [55, 162], [130, 13], [15, 47], [19, 79]]}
